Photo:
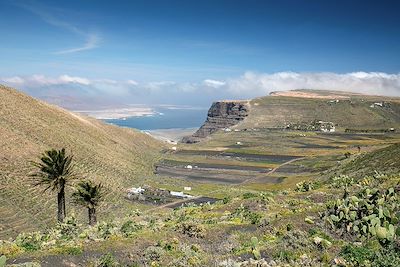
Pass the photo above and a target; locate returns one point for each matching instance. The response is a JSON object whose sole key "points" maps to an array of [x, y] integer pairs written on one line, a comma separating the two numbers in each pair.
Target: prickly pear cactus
{"points": [[3, 260], [370, 213], [254, 248]]}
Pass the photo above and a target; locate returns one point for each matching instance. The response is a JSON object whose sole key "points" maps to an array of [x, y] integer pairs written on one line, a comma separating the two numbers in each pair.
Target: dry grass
{"points": [[116, 157]]}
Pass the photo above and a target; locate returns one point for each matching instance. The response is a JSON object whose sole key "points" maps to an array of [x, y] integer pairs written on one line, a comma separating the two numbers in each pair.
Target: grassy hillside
{"points": [[382, 160], [114, 156], [352, 111]]}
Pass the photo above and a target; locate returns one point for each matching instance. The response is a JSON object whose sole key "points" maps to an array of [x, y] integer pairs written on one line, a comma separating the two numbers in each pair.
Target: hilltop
{"points": [[116, 157], [346, 110]]}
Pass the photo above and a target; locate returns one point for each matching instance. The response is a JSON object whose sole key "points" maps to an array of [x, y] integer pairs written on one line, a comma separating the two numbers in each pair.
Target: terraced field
{"points": [[266, 159]]}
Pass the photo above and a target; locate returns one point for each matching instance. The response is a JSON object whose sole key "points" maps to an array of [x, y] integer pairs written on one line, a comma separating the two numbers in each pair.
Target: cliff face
{"points": [[221, 115]]}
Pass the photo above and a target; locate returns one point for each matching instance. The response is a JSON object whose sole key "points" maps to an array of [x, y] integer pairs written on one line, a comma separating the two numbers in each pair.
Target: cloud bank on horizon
{"points": [[249, 85]]}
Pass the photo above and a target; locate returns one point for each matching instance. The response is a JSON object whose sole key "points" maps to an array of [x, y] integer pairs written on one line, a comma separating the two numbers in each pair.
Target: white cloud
{"points": [[106, 81], [13, 80], [248, 85], [252, 84], [132, 82], [213, 83], [38, 81], [156, 86], [70, 79], [92, 41]]}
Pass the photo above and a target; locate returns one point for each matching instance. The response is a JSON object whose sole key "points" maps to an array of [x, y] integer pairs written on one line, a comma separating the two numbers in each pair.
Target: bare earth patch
{"points": [[308, 95]]}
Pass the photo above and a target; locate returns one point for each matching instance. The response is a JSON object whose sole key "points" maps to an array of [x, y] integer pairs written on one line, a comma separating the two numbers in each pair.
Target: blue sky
{"points": [[199, 49]]}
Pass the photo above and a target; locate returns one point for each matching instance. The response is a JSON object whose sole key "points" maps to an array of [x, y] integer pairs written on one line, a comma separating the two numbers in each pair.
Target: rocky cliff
{"points": [[221, 115]]}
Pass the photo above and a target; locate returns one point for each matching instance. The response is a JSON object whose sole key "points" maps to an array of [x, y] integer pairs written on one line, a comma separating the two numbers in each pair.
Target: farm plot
{"points": [[207, 175], [220, 167], [238, 156], [266, 158]]}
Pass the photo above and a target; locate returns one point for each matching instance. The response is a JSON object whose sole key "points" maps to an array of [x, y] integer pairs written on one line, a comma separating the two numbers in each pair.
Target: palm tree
{"points": [[89, 195], [55, 170]]}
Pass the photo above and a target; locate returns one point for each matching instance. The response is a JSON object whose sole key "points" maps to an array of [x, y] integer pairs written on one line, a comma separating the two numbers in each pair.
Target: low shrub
{"points": [[191, 229], [129, 228], [9, 249], [153, 253], [68, 229], [249, 195], [30, 241], [226, 200], [105, 230], [244, 213], [371, 255], [107, 260]]}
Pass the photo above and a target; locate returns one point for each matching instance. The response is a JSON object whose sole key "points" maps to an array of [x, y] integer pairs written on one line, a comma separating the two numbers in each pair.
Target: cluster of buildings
{"points": [[317, 125]]}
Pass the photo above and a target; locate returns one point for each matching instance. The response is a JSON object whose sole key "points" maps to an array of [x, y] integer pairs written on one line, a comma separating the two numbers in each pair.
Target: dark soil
{"points": [[202, 175], [214, 166], [270, 179], [311, 146], [240, 156]]}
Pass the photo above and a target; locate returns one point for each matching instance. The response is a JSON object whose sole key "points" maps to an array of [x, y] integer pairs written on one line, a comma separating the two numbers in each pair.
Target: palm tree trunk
{"points": [[61, 204], [92, 216]]}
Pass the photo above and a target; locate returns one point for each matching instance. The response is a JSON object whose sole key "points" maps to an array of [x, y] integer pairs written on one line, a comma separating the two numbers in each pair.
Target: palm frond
{"points": [[88, 194], [53, 169]]}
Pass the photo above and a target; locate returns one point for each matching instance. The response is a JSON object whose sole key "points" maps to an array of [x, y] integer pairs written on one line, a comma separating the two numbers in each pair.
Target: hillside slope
{"points": [[114, 156], [385, 160]]}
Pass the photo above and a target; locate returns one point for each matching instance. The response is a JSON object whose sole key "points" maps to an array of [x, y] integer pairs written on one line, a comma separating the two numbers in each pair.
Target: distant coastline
{"points": [[119, 113], [170, 135], [168, 123], [155, 118]]}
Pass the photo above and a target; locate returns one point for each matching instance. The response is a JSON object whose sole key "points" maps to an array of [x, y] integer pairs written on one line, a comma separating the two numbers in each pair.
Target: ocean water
{"points": [[165, 118]]}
